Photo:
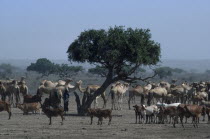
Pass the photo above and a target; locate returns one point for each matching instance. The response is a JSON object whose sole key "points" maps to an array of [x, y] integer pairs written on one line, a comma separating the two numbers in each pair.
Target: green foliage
{"points": [[42, 66], [6, 70], [46, 67], [65, 70], [167, 71], [118, 50]]}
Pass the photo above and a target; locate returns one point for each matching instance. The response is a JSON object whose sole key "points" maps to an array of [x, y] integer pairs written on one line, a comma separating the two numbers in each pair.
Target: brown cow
{"points": [[170, 111], [193, 111], [52, 112], [100, 114], [138, 113], [30, 107], [5, 106]]}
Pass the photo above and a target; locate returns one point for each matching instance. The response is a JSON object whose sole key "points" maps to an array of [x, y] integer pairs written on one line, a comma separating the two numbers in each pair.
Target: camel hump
{"points": [[61, 83]]}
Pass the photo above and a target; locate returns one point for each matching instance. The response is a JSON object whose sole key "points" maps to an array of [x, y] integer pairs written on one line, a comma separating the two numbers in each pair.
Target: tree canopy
{"points": [[42, 66], [115, 50]]}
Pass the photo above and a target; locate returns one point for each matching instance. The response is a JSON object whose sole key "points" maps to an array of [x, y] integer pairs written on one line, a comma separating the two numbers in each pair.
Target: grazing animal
{"points": [[138, 91], [150, 112], [208, 113], [168, 105], [100, 114], [167, 111], [23, 87], [52, 112], [4, 106], [117, 91], [138, 113], [193, 111], [32, 99], [2, 91], [30, 107], [206, 103]]}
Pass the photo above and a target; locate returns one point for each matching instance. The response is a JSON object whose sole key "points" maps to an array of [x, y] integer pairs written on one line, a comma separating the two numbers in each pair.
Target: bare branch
{"points": [[134, 79]]}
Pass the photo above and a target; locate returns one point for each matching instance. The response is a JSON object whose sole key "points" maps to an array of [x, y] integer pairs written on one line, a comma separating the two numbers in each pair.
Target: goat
{"points": [[5, 106], [138, 113], [100, 114], [150, 112], [32, 99], [30, 107]]}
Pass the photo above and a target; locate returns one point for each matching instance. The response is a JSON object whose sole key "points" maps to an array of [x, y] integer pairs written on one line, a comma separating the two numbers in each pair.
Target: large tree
{"points": [[114, 49]]}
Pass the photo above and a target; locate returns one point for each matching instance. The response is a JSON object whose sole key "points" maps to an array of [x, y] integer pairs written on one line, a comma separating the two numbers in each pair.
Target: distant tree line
{"points": [[45, 67]]}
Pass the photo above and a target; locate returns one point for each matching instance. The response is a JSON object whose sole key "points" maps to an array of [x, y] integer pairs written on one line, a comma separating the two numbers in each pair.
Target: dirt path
{"points": [[36, 126]]}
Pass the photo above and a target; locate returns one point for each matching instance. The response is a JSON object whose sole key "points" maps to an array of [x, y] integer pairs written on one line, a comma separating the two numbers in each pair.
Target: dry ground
{"points": [[122, 126]]}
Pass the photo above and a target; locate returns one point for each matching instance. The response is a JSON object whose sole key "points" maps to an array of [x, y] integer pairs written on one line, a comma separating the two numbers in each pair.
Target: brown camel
{"points": [[138, 91]]}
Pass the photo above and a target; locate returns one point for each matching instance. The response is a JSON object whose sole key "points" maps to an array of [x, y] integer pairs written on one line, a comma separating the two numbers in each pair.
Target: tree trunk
{"points": [[87, 100]]}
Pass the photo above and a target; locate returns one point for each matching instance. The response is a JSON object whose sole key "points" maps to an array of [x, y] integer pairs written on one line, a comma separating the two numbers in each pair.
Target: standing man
{"points": [[66, 101]]}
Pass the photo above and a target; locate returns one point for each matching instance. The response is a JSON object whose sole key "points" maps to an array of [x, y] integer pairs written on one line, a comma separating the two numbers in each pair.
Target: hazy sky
{"points": [[31, 29]]}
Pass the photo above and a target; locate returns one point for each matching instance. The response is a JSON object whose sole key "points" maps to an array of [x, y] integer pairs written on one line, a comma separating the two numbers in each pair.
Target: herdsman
{"points": [[66, 101]]}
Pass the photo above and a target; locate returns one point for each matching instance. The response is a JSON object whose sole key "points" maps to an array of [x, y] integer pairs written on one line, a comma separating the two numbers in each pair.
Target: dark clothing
{"points": [[66, 100]]}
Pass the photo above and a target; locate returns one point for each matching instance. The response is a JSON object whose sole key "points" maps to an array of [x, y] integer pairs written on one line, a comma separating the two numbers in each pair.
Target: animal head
{"points": [[135, 107], [126, 84], [143, 107], [68, 80], [20, 106], [79, 83]]}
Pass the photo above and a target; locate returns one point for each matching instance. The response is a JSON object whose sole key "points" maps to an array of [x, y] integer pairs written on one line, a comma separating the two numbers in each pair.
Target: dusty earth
{"points": [[122, 126]]}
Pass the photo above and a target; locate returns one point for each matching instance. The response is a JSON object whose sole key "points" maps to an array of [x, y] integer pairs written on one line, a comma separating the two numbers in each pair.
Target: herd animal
{"points": [[166, 103]]}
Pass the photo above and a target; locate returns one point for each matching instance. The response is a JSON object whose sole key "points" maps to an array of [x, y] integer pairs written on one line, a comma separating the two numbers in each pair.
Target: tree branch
{"points": [[134, 79]]}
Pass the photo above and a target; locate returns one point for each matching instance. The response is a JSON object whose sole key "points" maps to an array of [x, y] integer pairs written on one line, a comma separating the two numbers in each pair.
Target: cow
{"points": [[100, 113], [52, 111], [193, 111]]}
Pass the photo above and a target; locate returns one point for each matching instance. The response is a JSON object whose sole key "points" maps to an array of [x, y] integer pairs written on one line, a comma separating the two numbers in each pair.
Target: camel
{"points": [[56, 90], [138, 91], [12, 88], [2, 91], [157, 92], [183, 92], [23, 87], [47, 87], [89, 90], [118, 89]]}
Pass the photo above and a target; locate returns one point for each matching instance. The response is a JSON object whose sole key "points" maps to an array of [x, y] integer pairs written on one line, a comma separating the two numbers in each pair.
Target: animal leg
{"points": [[136, 117], [104, 99], [110, 119], [181, 120], [50, 121], [91, 120], [62, 118]]}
